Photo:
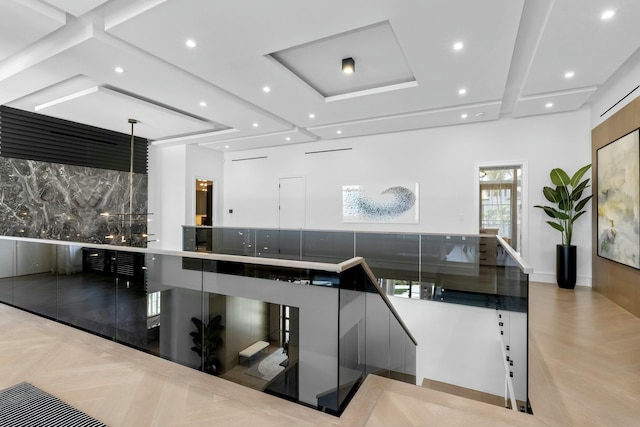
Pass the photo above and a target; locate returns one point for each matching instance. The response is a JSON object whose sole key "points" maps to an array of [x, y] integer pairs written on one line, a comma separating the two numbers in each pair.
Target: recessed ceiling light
{"points": [[338, 132], [226, 146], [288, 138], [464, 115], [312, 116], [548, 104], [119, 70], [203, 104], [462, 91], [569, 74], [266, 89], [458, 46], [190, 43], [255, 125], [607, 14]]}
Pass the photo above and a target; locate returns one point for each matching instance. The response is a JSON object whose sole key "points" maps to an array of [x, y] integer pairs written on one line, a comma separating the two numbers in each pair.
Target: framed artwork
{"points": [[618, 198], [373, 203]]}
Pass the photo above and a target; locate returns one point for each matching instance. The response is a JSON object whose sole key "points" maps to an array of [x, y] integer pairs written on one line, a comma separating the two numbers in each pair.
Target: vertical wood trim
{"points": [[618, 282]]}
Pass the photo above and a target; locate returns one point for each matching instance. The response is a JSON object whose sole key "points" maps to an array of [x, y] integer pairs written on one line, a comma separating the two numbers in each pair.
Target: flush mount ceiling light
{"points": [[458, 46], [119, 70], [549, 104], [190, 43], [569, 74], [348, 66], [607, 14]]}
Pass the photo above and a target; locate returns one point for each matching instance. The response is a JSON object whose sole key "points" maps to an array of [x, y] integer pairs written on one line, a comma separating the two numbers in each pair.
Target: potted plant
{"points": [[569, 206], [207, 341]]}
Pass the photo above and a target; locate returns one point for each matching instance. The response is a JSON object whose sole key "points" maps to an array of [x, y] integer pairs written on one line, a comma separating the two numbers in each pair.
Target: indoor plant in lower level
{"points": [[569, 203]]}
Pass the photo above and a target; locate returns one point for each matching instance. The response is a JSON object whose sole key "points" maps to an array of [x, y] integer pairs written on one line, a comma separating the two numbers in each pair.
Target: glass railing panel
{"points": [[197, 238], [234, 241], [353, 334], [378, 336], [35, 278], [282, 244], [372, 338], [390, 256], [7, 270], [87, 294], [278, 324], [513, 286], [459, 269], [327, 246], [156, 314]]}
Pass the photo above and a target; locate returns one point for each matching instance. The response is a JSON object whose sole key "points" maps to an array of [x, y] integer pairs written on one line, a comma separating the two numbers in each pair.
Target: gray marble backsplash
{"points": [[73, 203]]}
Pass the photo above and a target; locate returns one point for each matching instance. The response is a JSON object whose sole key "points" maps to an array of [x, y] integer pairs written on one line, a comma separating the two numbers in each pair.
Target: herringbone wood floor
{"points": [[584, 371]]}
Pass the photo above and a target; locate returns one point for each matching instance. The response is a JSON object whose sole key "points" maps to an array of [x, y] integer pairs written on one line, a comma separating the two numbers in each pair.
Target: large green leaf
{"points": [[578, 175], [563, 193], [576, 194], [556, 225], [560, 177], [581, 204], [551, 194], [578, 215], [548, 210]]}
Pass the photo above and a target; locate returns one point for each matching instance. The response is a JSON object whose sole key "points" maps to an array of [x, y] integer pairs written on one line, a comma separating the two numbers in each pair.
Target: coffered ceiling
{"points": [[264, 73]]}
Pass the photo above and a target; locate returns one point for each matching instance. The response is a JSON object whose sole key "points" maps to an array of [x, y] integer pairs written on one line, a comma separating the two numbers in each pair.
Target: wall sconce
{"points": [[348, 66]]}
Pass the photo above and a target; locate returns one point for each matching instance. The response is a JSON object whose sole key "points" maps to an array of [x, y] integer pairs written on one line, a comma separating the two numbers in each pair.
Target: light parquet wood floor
{"points": [[584, 371]]}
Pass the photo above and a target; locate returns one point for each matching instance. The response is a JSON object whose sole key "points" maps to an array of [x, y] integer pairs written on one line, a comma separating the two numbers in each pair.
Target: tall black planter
{"points": [[566, 266]]}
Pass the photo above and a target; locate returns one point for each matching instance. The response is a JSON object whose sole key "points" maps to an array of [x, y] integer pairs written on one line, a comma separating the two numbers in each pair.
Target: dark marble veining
{"points": [[74, 203]]}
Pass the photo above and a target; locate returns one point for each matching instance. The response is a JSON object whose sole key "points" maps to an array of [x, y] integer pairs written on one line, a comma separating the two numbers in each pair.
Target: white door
{"points": [[292, 202]]}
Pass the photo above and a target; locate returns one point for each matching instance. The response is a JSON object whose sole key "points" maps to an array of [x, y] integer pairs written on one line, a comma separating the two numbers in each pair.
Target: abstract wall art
{"points": [[380, 203], [618, 179]]}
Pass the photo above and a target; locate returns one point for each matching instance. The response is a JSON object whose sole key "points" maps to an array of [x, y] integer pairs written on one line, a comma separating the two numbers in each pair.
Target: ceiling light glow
{"points": [[119, 70], [266, 89], [312, 116], [203, 104], [288, 138], [226, 146], [458, 46], [548, 104], [462, 91], [255, 125], [464, 115], [607, 14], [190, 43], [339, 132], [569, 74]]}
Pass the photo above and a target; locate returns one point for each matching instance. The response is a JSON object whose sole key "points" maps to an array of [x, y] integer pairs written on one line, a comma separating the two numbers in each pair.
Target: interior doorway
{"points": [[204, 202], [500, 196], [292, 202]]}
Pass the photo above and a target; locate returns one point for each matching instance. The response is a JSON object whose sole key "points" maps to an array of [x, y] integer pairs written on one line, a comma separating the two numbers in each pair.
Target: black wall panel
{"points": [[31, 136]]}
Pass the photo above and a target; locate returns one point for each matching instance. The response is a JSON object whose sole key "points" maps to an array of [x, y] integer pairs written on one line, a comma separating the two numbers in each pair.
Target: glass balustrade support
{"points": [[295, 329]]}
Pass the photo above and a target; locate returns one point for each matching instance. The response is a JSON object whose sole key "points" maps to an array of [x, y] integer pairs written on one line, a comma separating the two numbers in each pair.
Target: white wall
{"points": [[444, 162], [457, 344], [172, 174], [619, 85], [207, 164]]}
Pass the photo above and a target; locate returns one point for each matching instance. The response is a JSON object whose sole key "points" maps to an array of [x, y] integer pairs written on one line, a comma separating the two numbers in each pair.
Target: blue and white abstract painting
{"points": [[380, 203]]}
